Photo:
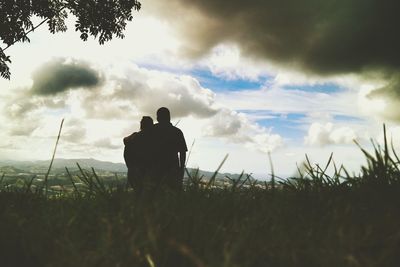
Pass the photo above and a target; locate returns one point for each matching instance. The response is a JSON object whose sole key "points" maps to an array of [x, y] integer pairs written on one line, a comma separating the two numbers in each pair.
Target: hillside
{"points": [[41, 166]]}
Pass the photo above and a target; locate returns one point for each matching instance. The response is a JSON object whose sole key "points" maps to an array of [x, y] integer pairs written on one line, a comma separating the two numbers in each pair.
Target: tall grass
{"points": [[318, 218]]}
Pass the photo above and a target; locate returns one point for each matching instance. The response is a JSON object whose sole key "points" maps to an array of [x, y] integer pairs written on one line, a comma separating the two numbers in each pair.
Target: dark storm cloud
{"points": [[59, 75], [324, 37], [390, 93], [390, 90]]}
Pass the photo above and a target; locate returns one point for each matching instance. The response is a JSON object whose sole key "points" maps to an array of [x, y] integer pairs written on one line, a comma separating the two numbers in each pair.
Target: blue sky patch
{"points": [[320, 88], [208, 80], [288, 125], [345, 118]]}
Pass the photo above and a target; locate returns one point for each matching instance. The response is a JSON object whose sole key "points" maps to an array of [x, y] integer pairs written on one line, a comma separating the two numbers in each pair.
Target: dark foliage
{"points": [[102, 19]]}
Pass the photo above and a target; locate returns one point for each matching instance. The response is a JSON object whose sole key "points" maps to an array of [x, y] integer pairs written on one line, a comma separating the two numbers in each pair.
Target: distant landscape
{"points": [[85, 215], [60, 164], [15, 171]]}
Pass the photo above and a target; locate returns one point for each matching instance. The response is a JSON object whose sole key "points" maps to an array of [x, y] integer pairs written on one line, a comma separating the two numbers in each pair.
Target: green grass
{"points": [[314, 219]]}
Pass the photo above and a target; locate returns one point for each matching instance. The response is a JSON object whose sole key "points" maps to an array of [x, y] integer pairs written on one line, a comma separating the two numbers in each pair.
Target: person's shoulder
{"points": [[176, 129], [130, 138], [162, 127], [167, 128], [147, 134]]}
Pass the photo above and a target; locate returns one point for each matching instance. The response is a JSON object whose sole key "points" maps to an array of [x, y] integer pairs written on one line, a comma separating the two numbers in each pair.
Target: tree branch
{"points": [[31, 30]]}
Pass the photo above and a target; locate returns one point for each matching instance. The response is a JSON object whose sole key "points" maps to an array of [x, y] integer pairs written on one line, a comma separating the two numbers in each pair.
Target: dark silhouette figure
{"points": [[139, 153], [170, 151]]}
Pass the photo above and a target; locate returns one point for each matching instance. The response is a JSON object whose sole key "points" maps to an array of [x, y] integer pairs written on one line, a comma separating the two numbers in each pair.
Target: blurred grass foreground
{"points": [[314, 219]]}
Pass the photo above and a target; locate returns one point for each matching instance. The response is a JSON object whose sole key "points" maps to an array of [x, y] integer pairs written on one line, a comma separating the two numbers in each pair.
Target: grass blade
{"points": [[100, 183], [52, 158], [72, 181], [190, 152], [212, 179], [272, 171], [29, 184]]}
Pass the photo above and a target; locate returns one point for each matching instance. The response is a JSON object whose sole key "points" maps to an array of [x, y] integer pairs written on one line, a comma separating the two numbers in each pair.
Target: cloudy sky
{"points": [[287, 77]]}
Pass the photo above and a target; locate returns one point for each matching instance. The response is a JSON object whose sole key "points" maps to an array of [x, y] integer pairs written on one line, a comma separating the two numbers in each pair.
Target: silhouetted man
{"points": [[170, 151], [138, 154]]}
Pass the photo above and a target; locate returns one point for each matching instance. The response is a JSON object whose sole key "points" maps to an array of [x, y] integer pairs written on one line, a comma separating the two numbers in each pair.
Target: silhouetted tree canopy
{"points": [[102, 19]]}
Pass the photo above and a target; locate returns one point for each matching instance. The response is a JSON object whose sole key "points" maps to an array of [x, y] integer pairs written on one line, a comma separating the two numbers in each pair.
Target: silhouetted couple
{"points": [[156, 155]]}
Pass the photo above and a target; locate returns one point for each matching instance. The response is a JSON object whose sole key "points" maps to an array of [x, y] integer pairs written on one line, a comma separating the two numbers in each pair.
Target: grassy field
{"points": [[315, 219]]}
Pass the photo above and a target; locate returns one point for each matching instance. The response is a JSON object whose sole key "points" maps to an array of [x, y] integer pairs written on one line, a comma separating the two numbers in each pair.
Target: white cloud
{"points": [[226, 61], [328, 133], [236, 127], [74, 130], [98, 118], [280, 100], [105, 143]]}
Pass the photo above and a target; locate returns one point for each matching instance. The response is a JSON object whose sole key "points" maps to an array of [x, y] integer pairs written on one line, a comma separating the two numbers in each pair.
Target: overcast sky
{"points": [[287, 77]]}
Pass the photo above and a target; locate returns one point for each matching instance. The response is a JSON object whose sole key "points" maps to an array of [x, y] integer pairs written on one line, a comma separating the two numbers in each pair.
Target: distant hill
{"points": [[41, 166], [60, 164], [10, 169]]}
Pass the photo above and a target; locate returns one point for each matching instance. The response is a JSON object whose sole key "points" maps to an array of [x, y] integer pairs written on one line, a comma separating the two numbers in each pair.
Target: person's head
{"points": [[146, 123], [163, 115]]}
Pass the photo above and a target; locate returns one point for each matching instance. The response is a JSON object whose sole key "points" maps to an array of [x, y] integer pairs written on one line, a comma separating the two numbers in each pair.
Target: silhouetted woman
{"points": [[138, 154]]}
